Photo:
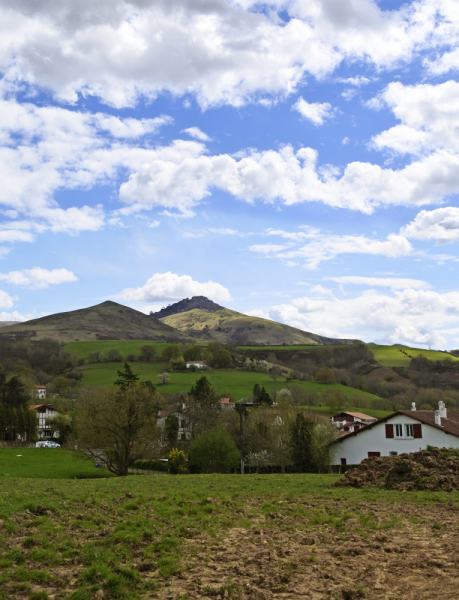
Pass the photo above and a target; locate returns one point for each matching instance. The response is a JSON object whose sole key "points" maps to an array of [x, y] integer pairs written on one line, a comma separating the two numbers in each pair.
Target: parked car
{"points": [[47, 444]]}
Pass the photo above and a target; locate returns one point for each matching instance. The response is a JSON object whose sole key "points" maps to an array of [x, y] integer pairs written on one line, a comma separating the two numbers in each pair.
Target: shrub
{"points": [[325, 375], [177, 461], [213, 452]]}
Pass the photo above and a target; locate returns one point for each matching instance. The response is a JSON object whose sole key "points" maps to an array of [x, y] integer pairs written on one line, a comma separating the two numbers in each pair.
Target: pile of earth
{"points": [[433, 469]]}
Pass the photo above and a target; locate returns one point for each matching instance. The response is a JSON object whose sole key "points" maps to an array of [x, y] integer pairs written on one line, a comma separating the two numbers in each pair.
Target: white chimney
{"points": [[437, 418], [413, 406], [442, 409]]}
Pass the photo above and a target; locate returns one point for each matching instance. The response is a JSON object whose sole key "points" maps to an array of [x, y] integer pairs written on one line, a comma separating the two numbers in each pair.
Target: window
{"points": [[398, 431], [343, 462], [393, 453], [409, 430]]}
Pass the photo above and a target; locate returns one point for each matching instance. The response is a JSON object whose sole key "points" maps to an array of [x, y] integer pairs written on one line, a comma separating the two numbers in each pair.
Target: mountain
{"points": [[106, 321], [228, 326]]}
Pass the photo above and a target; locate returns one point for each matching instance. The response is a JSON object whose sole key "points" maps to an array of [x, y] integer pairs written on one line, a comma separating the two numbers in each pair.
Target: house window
{"points": [[398, 431], [343, 462], [409, 430], [393, 453]]}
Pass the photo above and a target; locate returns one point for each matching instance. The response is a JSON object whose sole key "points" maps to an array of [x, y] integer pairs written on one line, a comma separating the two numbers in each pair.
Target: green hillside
{"points": [[125, 347], [396, 356]]}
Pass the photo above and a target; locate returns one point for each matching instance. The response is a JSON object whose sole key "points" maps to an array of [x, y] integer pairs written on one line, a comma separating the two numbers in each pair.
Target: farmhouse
{"points": [[44, 413], [226, 403], [351, 421], [199, 364], [40, 392], [183, 433], [403, 431]]}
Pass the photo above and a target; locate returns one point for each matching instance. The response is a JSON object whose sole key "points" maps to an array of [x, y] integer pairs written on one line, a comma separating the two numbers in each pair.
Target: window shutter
{"points": [[417, 430], [389, 430]]}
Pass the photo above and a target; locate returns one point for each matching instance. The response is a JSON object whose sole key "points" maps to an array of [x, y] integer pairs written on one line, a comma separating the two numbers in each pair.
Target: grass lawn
{"points": [[239, 383], [45, 463], [393, 356], [183, 537]]}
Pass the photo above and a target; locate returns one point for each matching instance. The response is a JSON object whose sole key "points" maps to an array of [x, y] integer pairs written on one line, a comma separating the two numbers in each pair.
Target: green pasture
{"points": [[125, 347], [293, 347], [46, 463], [239, 383], [395, 356]]}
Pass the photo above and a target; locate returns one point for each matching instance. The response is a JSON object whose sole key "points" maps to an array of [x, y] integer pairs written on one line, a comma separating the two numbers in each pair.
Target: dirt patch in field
{"points": [[403, 552], [433, 470]]}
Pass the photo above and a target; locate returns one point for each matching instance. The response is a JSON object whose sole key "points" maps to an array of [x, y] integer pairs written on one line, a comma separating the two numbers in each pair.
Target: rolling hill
{"points": [[211, 322], [106, 321]]}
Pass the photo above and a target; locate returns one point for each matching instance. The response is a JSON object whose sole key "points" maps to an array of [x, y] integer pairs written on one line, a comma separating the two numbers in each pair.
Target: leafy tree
{"points": [[177, 461], [322, 451], [172, 351], [163, 378], [94, 357], [61, 385], [126, 378], [172, 427], [334, 399], [204, 406], [261, 396], [213, 452], [117, 428], [148, 353], [15, 417], [301, 443], [177, 364], [62, 426], [325, 375], [203, 391], [259, 459], [192, 353], [221, 359], [113, 355]]}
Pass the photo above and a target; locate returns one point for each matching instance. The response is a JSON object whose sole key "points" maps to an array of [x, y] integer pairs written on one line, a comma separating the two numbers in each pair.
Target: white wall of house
{"points": [[44, 430], [355, 448], [41, 393], [197, 364]]}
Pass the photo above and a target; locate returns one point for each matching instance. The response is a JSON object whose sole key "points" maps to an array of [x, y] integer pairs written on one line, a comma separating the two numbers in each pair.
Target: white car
{"points": [[47, 445]]}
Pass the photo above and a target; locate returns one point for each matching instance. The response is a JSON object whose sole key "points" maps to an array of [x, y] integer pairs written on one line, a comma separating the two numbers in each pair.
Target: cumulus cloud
{"points": [[197, 134], [38, 278], [222, 51], [170, 286], [6, 301], [323, 247], [395, 283], [315, 112], [413, 317], [441, 225]]}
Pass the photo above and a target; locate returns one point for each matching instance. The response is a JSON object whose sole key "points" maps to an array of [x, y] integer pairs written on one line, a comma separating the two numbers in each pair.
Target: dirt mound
{"points": [[424, 470]]}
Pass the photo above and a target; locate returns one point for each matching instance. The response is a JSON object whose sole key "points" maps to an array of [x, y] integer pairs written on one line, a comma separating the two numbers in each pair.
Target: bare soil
{"points": [[435, 470]]}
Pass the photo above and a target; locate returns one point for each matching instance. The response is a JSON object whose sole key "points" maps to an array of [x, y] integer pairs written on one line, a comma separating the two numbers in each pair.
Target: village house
{"points": [[40, 392], [226, 404], [351, 421], [183, 433], [45, 412], [404, 431], [198, 364]]}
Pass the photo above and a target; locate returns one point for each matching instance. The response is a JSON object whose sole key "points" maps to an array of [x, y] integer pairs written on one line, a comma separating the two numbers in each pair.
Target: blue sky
{"points": [[295, 160]]}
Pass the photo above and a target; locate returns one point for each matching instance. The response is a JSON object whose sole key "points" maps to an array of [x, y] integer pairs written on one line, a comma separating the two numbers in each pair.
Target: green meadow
{"points": [[394, 356]]}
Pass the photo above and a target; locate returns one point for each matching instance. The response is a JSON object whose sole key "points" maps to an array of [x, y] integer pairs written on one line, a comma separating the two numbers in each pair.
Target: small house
{"points": [[351, 421], [40, 392], [226, 404], [404, 431], [45, 412], [198, 364], [183, 433]]}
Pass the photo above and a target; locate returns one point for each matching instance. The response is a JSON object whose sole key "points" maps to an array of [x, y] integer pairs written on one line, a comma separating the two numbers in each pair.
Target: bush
{"points": [[178, 364], [325, 375], [177, 461], [151, 465], [213, 452]]}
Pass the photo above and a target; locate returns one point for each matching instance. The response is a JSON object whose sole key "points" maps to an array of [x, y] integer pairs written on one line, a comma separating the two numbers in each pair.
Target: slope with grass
{"points": [[400, 356], [106, 321]]}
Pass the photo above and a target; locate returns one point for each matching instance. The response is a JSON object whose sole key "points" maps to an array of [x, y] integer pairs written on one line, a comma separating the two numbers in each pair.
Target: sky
{"points": [[294, 160]]}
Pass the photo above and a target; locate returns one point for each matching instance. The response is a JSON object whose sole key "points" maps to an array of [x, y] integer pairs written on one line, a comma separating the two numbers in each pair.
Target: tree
{"points": [[258, 459], [148, 353], [301, 443], [177, 364], [16, 419], [204, 406], [117, 428], [334, 399], [322, 451], [61, 385], [221, 359], [275, 372], [177, 461], [172, 351], [325, 375], [94, 357], [126, 378], [172, 427], [213, 452], [113, 355], [62, 426], [163, 378], [192, 353]]}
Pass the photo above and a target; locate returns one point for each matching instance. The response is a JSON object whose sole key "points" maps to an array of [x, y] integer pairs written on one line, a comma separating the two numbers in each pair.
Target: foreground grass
{"points": [[46, 463], [128, 537]]}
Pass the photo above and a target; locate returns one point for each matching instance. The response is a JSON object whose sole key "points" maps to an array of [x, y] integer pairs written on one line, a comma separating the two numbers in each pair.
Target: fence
{"points": [[17, 445]]}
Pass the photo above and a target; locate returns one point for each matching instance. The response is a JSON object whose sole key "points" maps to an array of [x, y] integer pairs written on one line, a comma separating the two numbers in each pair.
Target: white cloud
{"points": [[6, 301], [395, 283], [169, 286], [38, 278], [441, 225], [154, 224], [345, 141], [349, 94], [221, 51], [326, 247], [315, 112], [412, 317], [357, 81], [197, 134], [320, 290]]}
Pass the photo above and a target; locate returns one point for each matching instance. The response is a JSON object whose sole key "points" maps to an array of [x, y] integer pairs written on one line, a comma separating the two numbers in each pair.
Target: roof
{"points": [[37, 406], [359, 415], [195, 362], [167, 412], [427, 417], [40, 387], [226, 401]]}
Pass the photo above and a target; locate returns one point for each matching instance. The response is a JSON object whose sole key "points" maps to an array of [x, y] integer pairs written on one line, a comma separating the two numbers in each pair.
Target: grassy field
{"points": [[295, 347], [393, 356], [46, 463], [125, 347], [237, 537], [239, 383]]}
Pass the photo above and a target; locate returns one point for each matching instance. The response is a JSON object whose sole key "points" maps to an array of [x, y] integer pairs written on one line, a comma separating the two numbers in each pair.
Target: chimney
{"points": [[442, 409], [413, 406], [437, 418]]}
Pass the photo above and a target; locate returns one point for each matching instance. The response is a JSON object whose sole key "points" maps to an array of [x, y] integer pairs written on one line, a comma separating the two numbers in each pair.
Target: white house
{"points": [[199, 364], [351, 421], [44, 413], [40, 392], [183, 433], [404, 431]]}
